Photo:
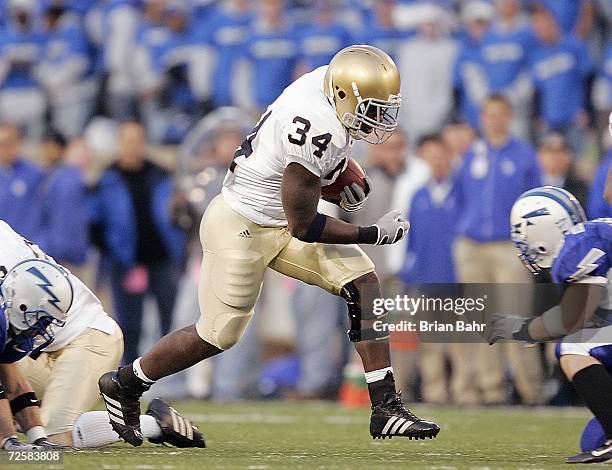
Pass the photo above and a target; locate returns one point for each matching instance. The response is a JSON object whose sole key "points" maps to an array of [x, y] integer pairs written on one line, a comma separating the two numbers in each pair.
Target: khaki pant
{"points": [[435, 386], [236, 255], [497, 262], [66, 381]]}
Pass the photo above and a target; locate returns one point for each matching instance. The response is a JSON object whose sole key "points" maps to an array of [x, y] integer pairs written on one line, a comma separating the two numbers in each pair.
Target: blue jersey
{"points": [[560, 72], [226, 32], [469, 76], [387, 39], [566, 12], [273, 55], [504, 56], [20, 52], [598, 207], [319, 43], [586, 253]]}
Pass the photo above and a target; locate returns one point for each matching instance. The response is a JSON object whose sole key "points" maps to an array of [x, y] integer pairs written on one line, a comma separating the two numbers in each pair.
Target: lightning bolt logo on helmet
{"points": [[36, 294]]}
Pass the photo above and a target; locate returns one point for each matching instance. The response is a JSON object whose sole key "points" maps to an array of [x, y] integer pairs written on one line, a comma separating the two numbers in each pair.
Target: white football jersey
{"points": [[300, 126], [86, 310]]}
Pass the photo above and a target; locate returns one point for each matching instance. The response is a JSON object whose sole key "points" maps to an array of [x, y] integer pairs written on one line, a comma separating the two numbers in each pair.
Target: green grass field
{"points": [[268, 435]]}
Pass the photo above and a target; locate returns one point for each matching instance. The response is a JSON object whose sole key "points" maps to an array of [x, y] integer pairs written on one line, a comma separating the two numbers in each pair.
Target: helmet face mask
{"points": [[374, 120]]}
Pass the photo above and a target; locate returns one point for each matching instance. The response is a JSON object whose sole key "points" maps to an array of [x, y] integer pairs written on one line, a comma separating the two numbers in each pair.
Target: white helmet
{"points": [[540, 219], [36, 294]]}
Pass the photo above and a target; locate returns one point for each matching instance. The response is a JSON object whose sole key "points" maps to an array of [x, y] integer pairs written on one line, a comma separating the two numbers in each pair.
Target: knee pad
{"points": [[236, 277], [226, 328], [364, 325]]}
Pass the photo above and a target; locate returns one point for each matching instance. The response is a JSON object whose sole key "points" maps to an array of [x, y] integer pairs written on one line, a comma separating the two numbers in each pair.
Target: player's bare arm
{"points": [[301, 191], [25, 406]]}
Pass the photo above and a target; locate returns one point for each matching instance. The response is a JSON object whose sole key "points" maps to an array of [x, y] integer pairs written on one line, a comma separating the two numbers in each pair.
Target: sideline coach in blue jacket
{"points": [[495, 171], [144, 247]]}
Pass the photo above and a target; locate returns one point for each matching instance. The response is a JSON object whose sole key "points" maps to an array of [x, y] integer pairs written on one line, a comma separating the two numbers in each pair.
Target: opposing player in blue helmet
{"points": [[554, 238]]}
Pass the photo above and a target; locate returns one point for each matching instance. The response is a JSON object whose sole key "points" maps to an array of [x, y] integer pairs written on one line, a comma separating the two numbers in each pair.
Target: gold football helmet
{"points": [[363, 84]]}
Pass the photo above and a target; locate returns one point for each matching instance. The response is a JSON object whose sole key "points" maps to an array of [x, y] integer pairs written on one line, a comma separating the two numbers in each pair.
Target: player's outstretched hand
{"points": [[391, 228], [504, 327], [48, 445], [353, 197], [14, 444]]}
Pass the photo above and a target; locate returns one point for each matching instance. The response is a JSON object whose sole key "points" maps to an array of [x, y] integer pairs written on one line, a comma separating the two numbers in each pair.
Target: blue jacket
{"points": [[429, 253], [560, 72], [19, 204], [64, 231], [598, 207], [114, 211], [488, 183]]}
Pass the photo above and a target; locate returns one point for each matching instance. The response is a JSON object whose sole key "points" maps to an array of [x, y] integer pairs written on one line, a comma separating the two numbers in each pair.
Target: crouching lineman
{"points": [[267, 216], [550, 229], [24, 328], [64, 369]]}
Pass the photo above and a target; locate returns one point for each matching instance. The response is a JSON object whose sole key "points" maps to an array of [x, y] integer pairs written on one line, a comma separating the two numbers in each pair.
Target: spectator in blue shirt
{"points": [[225, 32], [22, 101], [120, 20], [320, 39], [20, 182], [428, 264], [598, 207], [163, 44], [429, 255], [63, 228], [495, 171], [560, 66], [602, 88], [469, 78], [573, 16], [379, 29], [67, 65], [504, 58], [271, 52]]}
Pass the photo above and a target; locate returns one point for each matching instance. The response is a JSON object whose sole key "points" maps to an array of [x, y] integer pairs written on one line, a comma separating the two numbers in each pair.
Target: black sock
{"points": [[594, 385], [127, 378], [380, 388]]}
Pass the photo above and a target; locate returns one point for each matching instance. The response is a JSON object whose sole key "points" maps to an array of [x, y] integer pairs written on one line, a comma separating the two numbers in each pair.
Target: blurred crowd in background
{"points": [[119, 118]]}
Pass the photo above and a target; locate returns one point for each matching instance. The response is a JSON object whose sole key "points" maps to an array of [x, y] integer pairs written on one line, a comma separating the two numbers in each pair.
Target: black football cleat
{"points": [[390, 418], [176, 430], [123, 407], [599, 455]]}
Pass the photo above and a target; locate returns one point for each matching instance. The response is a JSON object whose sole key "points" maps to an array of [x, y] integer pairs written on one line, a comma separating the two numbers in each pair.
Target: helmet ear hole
{"points": [[541, 249], [23, 307], [341, 95]]}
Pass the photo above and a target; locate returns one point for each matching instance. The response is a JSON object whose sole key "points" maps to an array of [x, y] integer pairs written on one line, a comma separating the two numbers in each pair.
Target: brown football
{"points": [[353, 173]]}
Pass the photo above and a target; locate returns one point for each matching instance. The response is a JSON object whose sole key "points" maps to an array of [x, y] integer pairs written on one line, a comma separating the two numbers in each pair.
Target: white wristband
{"points": [[35, 433]]}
